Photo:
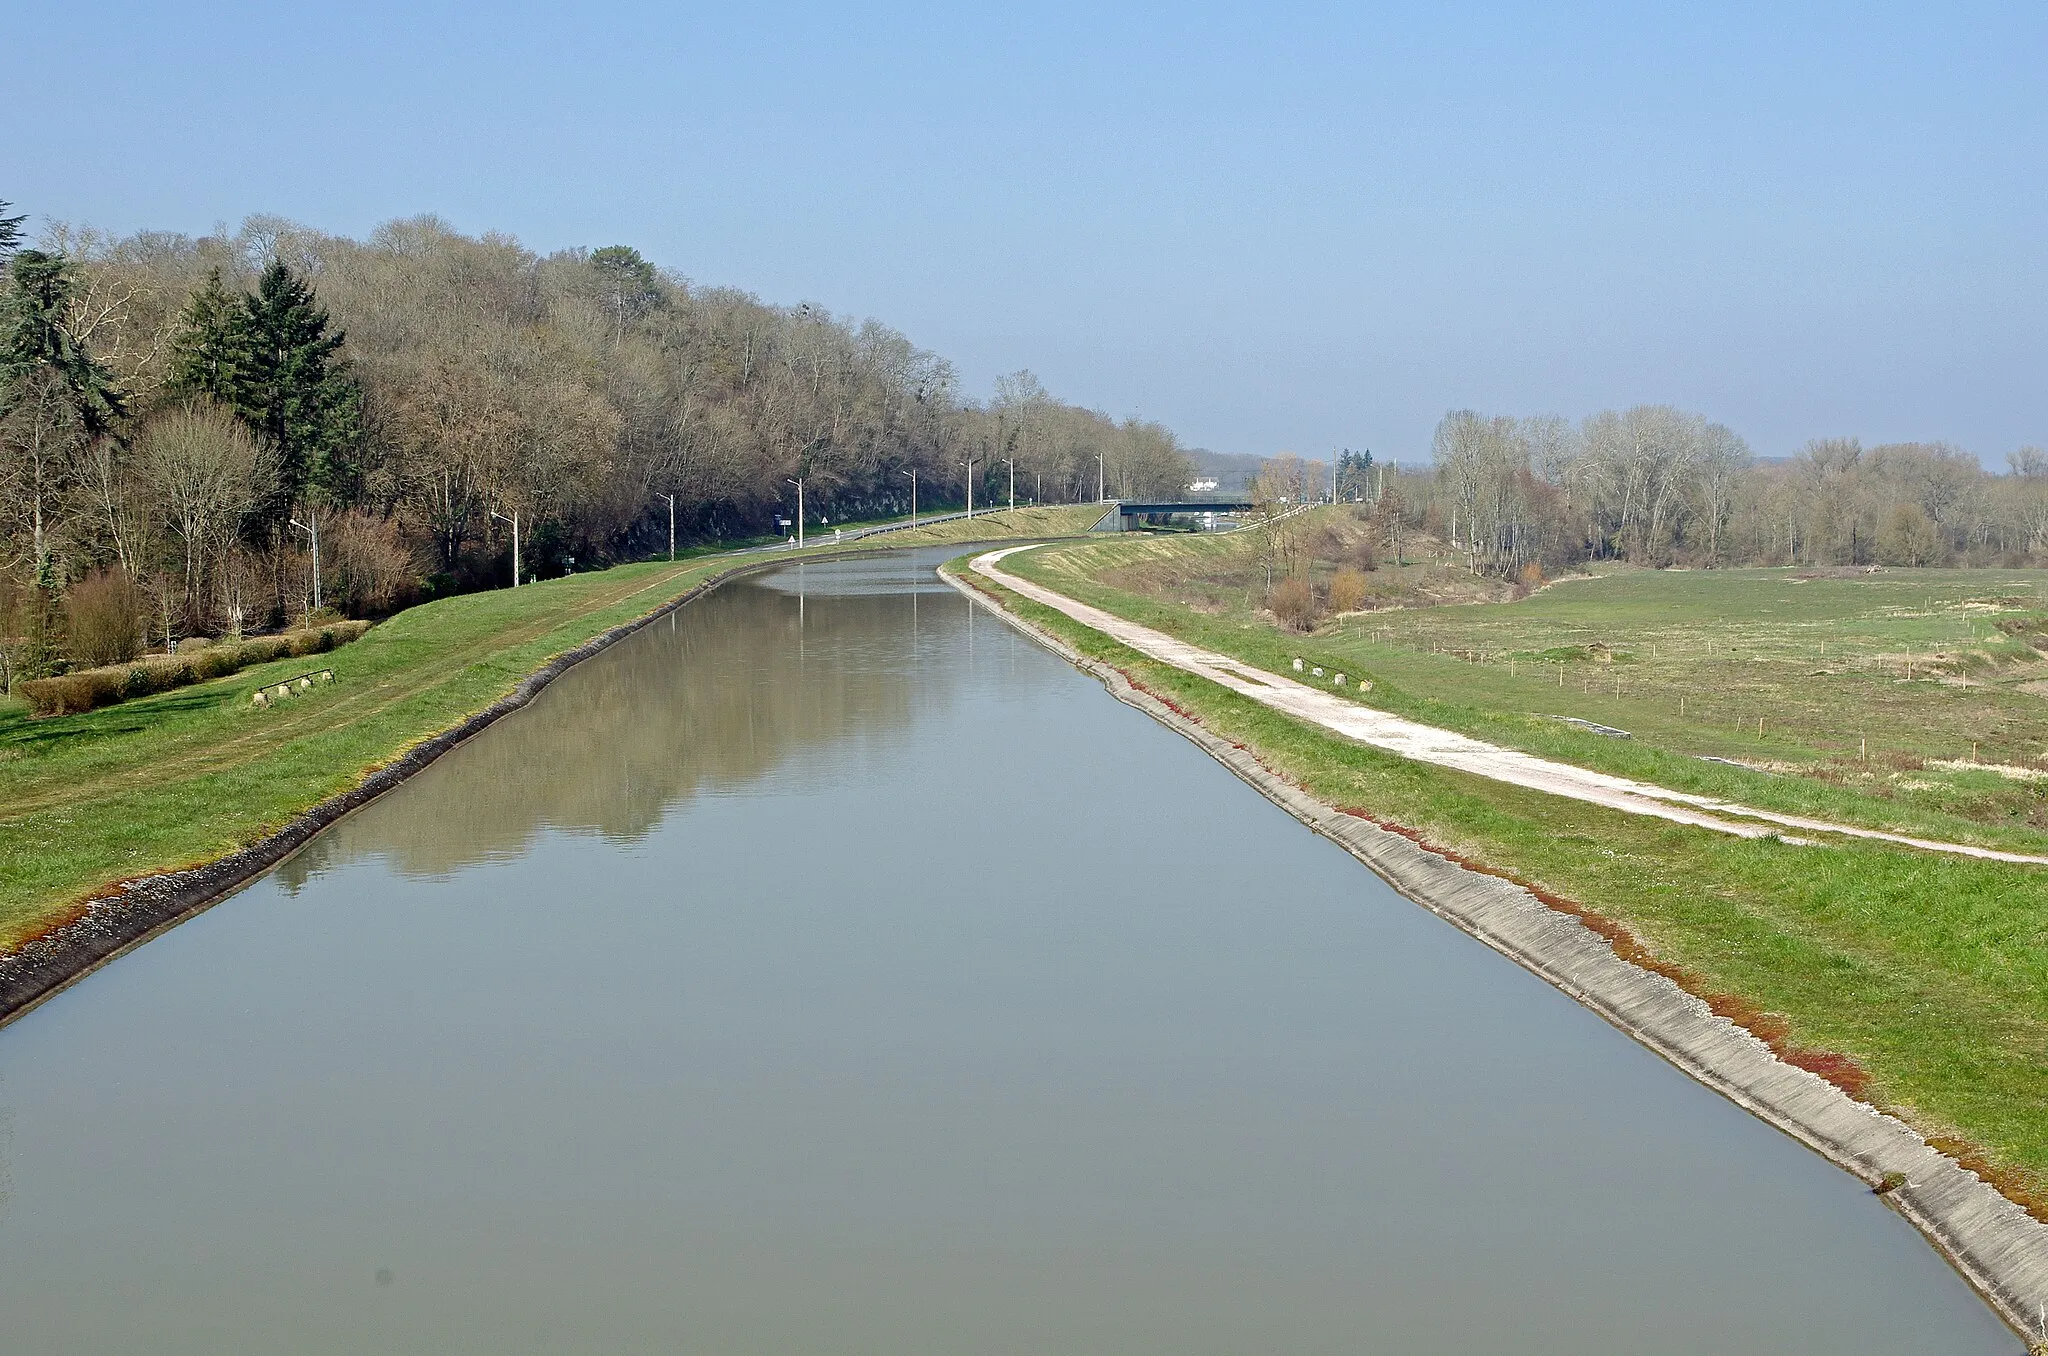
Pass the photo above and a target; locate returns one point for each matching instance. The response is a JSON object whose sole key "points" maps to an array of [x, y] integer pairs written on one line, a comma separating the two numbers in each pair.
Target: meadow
{"points": [[1899, 699]]}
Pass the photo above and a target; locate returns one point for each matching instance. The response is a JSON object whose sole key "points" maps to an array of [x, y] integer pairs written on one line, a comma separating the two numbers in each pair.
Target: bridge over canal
{"points": [[1128, 515]]}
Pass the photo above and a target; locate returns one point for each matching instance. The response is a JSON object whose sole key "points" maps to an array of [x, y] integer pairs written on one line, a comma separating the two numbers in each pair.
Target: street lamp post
{"points": [[799, 511], [913, 494], [969, 466], [1011, 463], [514, 520], [671, 527], [314, 533]]}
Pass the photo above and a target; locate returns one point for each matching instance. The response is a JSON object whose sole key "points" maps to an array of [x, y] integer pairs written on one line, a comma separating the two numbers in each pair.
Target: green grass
{"points": [[1695, 658], [1931, 972], [188, 776], [1049, 520]]}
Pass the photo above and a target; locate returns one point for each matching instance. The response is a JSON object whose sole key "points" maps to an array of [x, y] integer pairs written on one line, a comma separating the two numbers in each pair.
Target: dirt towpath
{"points": [[1446, 748]]}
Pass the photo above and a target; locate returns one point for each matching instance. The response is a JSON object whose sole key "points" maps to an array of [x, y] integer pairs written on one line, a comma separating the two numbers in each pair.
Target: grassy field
{"points": [[187, 776], [1930, 974], [1907, 699]]}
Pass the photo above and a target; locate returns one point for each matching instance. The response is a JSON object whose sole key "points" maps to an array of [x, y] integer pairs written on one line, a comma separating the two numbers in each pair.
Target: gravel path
{"points": [[1445, 748]]}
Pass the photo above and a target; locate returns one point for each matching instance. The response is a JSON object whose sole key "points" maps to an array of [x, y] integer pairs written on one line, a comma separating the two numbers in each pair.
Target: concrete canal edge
{"points": [[2000, 1249], [145, 908]]}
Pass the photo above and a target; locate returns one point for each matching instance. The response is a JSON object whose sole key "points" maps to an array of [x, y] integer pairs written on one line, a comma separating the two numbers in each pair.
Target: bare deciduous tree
{"points": [[207, 472]]}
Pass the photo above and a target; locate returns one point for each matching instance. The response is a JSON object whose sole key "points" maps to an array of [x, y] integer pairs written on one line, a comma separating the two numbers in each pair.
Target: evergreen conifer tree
{"points": [[294, 387], [35, 344], [630, 283], [205, 351], [1353, 475], [42, 631], [10, 231]]}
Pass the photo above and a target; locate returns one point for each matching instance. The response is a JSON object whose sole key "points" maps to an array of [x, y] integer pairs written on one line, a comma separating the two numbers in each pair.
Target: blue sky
{"points": [[1270, 227]]}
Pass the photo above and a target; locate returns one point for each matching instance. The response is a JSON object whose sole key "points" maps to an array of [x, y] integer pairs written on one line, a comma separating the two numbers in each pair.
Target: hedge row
{"points": [[90, 688]]}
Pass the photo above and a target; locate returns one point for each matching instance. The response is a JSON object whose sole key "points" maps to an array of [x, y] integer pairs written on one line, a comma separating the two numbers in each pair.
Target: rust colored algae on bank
{"points": [[1768, 1027]]}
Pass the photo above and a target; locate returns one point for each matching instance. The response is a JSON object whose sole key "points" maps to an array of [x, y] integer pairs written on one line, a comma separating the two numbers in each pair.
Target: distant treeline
{"points": [[1659, 486], [190, 412]]}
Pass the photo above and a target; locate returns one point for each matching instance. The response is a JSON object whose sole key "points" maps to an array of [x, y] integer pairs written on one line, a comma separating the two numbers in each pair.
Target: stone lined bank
{"points": [[1999, 1248]]}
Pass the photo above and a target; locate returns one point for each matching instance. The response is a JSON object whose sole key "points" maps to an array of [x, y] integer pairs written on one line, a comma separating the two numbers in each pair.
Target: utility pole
{"points": [[314, 533], [799, 511], [1013, 482], [913, 495], [514, 520], [671, 527], [969, 464], [1098, 477]]}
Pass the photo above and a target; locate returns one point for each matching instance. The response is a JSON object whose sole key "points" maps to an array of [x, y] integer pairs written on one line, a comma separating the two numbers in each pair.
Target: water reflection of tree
{"points": [[748, 678]]}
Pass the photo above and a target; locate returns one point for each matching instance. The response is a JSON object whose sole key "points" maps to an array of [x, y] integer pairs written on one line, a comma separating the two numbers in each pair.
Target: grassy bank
{"points": [[187, 776], [1051, 520], [1928, 973], [1687, 662]]}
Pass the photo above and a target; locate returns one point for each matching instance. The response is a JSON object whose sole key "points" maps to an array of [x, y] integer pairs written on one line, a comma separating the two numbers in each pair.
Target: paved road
{"points": [[1446, 748]]}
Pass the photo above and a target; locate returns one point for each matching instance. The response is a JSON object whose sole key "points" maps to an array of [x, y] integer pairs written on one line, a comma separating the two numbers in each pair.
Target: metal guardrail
{"points": [[844, 535], [290, 687]]}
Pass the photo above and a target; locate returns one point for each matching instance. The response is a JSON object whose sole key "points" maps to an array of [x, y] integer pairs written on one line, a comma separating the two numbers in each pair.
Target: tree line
{"points": [[181, 417], [1661, 486]]}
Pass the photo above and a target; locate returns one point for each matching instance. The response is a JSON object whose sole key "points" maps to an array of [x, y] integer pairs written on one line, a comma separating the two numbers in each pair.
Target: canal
{"points": [[827, 969]]}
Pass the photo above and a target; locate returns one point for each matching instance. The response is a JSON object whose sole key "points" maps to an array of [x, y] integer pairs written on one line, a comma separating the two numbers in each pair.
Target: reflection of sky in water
{"points": [[894, 576], [879, 985], [759, 681]]}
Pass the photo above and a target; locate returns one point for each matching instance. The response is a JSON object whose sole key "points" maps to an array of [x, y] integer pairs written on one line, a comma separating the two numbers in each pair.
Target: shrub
{"points": [[73, 693], [1294, 603], [1347, 589], [1908, 537], [318, 641], [260, 650], [105, 611], [36, 616], [374, 569], [160, 674]]}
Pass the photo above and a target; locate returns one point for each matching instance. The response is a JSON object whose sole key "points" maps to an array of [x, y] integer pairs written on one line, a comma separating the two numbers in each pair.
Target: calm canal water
{"points": [[833, 971]]}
